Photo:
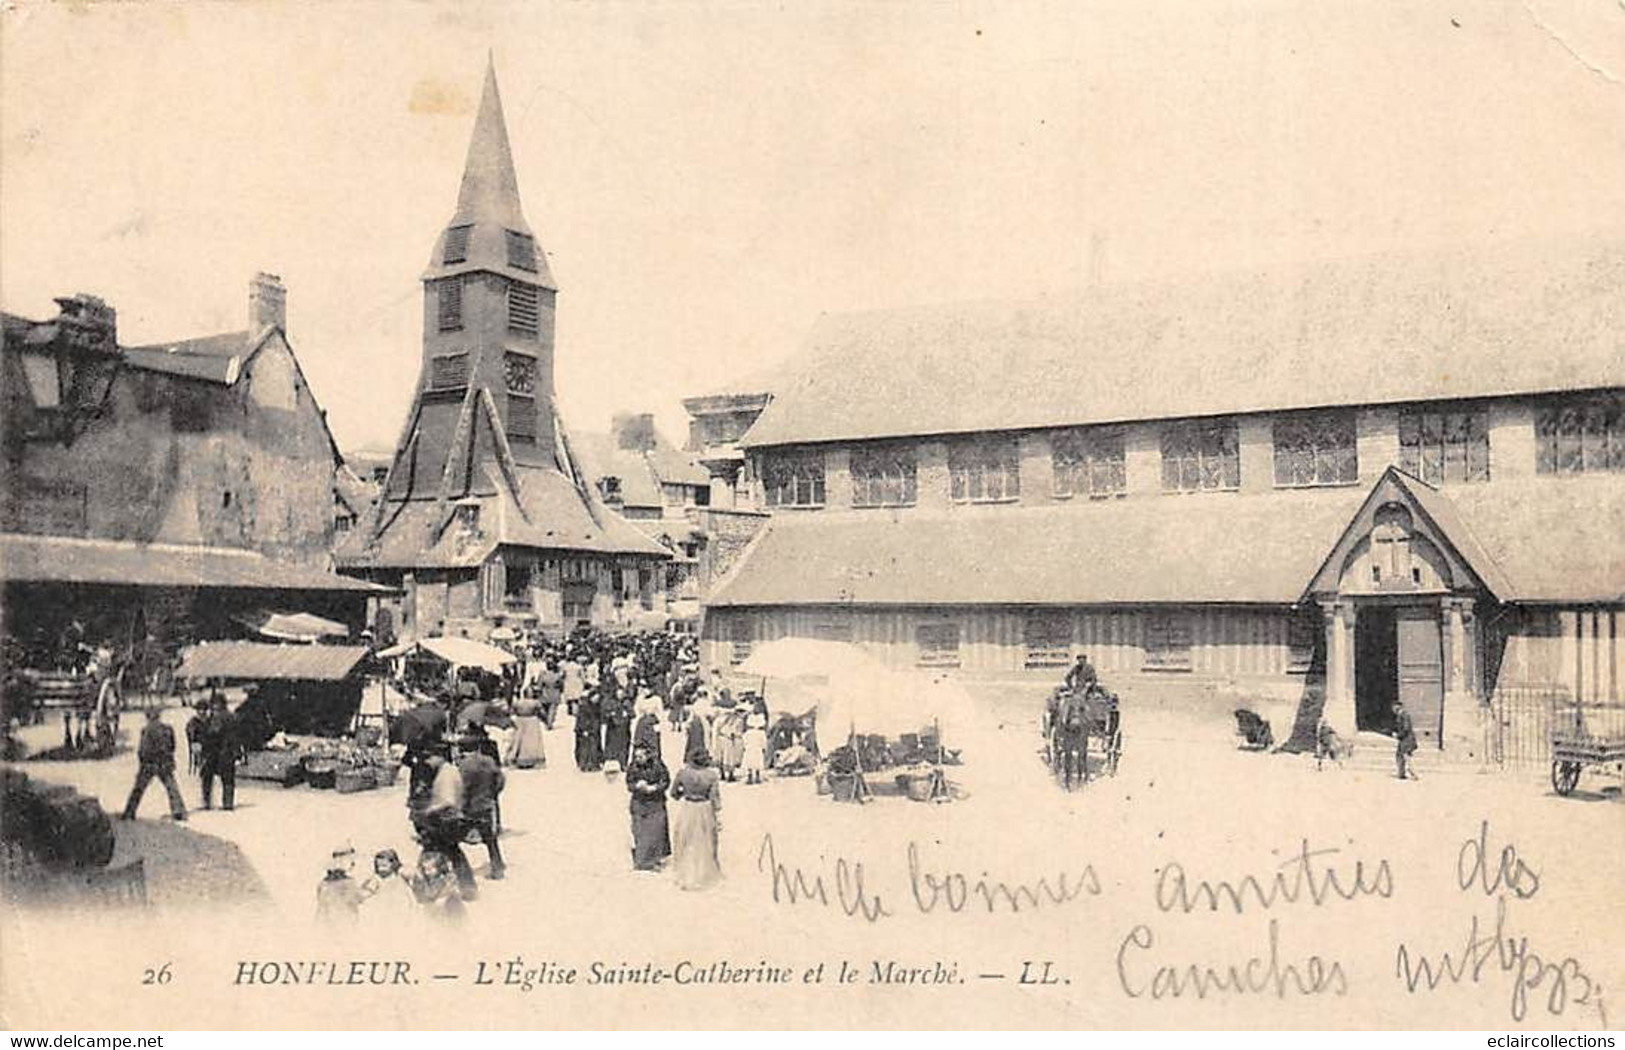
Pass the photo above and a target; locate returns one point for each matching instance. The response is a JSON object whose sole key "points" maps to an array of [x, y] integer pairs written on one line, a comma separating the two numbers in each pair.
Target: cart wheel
{"points": [[1565, 775], [1115, 753]]}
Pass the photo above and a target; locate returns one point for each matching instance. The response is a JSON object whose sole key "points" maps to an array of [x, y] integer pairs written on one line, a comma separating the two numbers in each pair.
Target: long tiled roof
{"points": [[56, 559], [1556, 541], [1389, 328], [215, 358]]}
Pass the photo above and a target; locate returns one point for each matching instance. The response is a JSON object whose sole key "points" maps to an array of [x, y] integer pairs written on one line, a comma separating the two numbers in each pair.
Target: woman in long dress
{"points": [[699, 729], [589, 753], [529, 750], [617, 708], [647, 780], [695, 827]]}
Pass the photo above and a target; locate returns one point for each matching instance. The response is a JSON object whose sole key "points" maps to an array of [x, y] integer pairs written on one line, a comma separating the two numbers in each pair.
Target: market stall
{"points": [[455, 670], [294, 726], [866, 717]]}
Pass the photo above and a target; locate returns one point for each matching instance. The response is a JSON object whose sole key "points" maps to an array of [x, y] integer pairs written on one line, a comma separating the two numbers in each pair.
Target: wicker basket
{"points": [[386, 772], [359, 778], [918, 786], [844, 786], [321, 773]]}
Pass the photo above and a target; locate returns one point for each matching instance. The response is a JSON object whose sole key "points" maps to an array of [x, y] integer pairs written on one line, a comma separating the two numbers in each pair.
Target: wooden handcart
{"points": [[1584, 736]]}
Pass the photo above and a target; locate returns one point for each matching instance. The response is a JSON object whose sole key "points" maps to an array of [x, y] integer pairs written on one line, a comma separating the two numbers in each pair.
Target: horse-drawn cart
{"points": [[1584, 735], [1071, 720]]}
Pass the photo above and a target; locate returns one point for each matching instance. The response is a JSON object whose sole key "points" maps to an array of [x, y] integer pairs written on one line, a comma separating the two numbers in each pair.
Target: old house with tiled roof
{"points": [[160, 491], [486, 516], [660, 489], [1392, 477]]}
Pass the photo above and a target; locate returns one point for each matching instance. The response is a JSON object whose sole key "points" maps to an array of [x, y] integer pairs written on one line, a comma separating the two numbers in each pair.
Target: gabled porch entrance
{"points": [[1398, 592]]}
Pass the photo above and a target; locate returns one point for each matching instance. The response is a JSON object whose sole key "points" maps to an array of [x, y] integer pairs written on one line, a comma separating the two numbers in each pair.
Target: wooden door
{"points": [[1421, 670]]}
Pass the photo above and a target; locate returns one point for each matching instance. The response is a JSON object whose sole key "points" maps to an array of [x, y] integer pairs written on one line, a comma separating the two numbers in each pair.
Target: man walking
{"points": [[156, 755], [1404, 741], [482, 785], [220, 750]]}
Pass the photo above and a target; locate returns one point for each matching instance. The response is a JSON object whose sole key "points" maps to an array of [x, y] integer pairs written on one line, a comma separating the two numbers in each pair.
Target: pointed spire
{"points": [[490, 189]]}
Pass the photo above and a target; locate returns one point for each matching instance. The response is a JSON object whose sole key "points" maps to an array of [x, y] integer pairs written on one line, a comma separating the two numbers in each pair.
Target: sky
{"points": [[707, 178]]}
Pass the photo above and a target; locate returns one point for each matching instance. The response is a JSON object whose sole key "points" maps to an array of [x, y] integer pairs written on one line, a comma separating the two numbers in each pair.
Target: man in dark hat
{"points": [[1404, 742], [220, 748], [482, 785], [1081, 676]]}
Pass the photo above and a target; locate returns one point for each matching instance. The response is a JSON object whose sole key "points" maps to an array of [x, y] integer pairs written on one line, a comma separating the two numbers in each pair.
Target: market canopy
{"points": [[466, 652], [264, 661], [293, 627], [854, 692], [891, 704], [808, 660]]}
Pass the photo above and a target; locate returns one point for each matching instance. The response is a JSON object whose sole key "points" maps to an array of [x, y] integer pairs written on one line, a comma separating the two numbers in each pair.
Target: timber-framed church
{"points": [[486, 518], [1391, 477]]}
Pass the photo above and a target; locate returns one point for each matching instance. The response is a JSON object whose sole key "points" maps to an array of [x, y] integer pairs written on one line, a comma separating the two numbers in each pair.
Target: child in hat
{"points": [[338, 897], [755, 758]]}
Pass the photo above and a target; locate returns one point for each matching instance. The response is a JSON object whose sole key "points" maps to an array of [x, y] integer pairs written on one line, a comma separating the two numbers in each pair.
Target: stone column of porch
{"points": [[1338, 710], [1463, 729]]}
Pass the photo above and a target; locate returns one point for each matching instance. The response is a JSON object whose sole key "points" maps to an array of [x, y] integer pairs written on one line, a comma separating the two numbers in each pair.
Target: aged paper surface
{"points": [[1268, 355]]}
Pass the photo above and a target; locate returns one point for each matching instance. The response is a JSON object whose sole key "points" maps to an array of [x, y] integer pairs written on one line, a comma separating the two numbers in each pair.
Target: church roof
{"points": [[1555, 542], [1524, 319], [482, 232], [420, 533]]}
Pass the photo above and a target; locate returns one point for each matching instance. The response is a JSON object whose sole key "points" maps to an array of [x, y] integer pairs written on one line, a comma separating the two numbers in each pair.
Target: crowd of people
{"points": [[621, 696]]}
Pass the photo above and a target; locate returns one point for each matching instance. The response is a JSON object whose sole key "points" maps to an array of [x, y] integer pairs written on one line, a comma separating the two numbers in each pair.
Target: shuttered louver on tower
{"points": [[522, 308], [448, 372], [521, 423], [451, 304], [456, 250], [521, 251]]}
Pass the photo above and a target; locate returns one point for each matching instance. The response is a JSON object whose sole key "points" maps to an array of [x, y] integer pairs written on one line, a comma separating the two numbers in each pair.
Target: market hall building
{"points": [[486, 516], [1317, 492], [155, 495]]}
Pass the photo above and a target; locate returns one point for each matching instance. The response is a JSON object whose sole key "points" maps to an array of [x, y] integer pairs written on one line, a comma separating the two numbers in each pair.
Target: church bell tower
{"points": [[488, 307]]}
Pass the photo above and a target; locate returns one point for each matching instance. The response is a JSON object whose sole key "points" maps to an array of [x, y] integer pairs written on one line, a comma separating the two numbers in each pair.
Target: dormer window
{"points": [[521, 250], [610, 489], [468, 516], [456, 249]]}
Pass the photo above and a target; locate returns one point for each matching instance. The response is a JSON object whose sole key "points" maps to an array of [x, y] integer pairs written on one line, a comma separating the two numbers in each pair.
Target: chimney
{"points": [[267, 303], [634, 432], [88, 323]]}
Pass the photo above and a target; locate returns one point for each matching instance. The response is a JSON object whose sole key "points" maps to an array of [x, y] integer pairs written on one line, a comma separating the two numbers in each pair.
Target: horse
{"points": [[1070, 736]]}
